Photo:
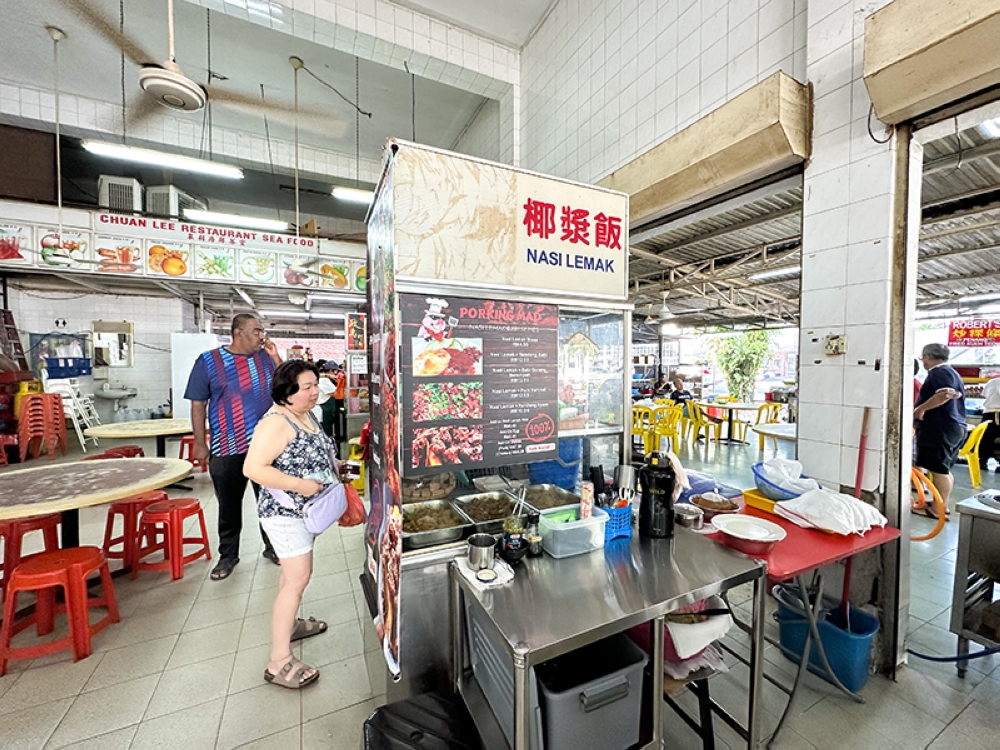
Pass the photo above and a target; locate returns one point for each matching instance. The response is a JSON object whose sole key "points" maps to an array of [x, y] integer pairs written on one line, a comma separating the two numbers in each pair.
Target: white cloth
{"points": [[690, 638], [505, 574], [710, 659], [787, 474], [681, 478], [991, 394], [326, 389], [831, 511]]}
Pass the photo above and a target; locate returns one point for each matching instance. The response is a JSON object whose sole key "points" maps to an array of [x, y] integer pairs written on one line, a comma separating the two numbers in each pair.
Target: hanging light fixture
{"points": [[160, 159]]}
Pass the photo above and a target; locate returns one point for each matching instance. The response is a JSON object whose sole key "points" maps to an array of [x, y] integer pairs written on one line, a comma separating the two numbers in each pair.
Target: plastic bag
{"points": [[355, 513], [787, 474], [832, 511]]}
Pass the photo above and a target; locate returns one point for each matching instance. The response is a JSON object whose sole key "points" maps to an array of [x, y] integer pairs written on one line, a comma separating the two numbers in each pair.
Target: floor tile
{"points": [[338, 643], [206, 613], [340, 685], [290, 738], [206, 643], [193, 729], [105, 710], [29, 728], [326, 586], [49, 683], [953, 738], [137, 660], [257, 713], [335, 610], [248, 669], [191, 685], [340, 729], [256, 630], [120, 739], [150, 625]]}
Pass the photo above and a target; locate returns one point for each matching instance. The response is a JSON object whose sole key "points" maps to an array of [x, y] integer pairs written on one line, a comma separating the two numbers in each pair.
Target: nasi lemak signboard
{"points": [[469, 222]]}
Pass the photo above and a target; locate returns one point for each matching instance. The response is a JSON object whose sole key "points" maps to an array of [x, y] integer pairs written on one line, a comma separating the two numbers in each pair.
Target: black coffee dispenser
{"points": [[656, 506]]}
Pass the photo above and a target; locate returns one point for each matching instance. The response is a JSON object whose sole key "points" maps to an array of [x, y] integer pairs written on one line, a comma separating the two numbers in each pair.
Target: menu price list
{"points": [[479, 382]]}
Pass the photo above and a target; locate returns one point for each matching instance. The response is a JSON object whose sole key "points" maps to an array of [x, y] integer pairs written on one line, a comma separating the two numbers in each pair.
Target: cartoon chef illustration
{"points": [[436, 325]]}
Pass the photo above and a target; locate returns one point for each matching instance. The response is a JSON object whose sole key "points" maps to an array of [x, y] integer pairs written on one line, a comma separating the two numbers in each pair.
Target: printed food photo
{"points": [[447, 446], [437, 401], [452, 357]]}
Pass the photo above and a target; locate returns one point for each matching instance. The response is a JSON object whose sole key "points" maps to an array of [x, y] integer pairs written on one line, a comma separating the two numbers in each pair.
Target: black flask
{"points": [[656, 506]]}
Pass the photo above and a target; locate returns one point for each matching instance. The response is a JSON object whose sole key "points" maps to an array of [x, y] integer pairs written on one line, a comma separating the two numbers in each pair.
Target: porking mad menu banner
{"points": [[479, 383]]}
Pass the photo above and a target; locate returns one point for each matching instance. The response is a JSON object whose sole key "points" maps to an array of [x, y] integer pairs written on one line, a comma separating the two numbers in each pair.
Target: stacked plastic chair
{"points": [[41, 422]]}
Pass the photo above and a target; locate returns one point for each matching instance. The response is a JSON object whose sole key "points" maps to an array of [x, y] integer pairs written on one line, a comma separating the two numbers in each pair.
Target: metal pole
{"points": [[657, 693], [522, 698], [757, 661]]}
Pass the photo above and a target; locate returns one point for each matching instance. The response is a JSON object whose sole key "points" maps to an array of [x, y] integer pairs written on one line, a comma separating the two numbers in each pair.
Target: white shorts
{"points": [[289, 536]]}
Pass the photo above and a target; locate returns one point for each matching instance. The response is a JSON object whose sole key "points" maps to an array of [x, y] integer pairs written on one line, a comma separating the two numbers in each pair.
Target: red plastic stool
{"points": [[129, 509], [42, 573], [126, 451], [186, 452], [12, 532], [166, 520], [99, 457]]}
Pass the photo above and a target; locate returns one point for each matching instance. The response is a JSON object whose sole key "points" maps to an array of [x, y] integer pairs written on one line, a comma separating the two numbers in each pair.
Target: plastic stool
{"points": [[99, 457], [126, 451], [129, 509], [42, 573], [166, 518], [186, 452], [12, 532]]}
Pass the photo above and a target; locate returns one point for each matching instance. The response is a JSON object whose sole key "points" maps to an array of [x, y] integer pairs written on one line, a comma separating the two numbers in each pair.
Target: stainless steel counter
{"points": [[556, 606], [977, 570]]}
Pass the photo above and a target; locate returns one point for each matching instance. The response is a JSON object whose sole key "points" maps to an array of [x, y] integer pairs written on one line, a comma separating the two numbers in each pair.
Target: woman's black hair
{"points": [[286, 379]]}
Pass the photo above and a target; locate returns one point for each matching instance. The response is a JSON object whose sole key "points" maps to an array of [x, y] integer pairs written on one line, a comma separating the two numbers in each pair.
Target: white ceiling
{"points": [[509, 22], [249, 55]]}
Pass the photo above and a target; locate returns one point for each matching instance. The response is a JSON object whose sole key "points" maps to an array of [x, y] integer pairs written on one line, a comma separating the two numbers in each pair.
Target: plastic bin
{"points": [[424, 722], [770, 489], [572, 537], [848, 652], [619, 523], [592, 697], [563, 471], [67, 367]]}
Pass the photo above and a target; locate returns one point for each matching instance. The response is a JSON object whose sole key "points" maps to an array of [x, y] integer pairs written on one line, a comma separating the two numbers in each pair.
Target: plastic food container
{"points": [[575, 537], [748, 534]]}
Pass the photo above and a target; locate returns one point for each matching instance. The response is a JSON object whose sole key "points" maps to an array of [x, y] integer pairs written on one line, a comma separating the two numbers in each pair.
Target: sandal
{"points": [[307, 628], [225, 567], [926, 512], [291, 675]]}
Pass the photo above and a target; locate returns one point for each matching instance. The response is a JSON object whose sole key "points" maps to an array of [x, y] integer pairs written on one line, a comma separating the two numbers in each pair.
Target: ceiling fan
{"points": [[165, 83]]}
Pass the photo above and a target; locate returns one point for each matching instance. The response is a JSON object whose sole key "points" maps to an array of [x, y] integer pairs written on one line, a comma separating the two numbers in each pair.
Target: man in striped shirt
{"points": [[231, 387]]}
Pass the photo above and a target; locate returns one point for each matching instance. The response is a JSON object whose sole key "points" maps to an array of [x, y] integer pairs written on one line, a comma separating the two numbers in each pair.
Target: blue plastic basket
{"points": [[769, 488], [67, 367], [619, 523], [563, 471]]}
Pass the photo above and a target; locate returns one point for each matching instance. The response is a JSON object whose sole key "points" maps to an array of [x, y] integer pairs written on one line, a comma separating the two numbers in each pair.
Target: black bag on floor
{"points": [[425, 722]]}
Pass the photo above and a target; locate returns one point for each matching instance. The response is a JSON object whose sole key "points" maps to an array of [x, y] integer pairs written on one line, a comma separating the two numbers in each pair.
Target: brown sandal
{"points": [[307, 628], [291, 675]]}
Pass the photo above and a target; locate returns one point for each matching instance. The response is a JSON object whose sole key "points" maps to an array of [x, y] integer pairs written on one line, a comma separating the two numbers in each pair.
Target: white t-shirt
{"points": [[991, 394], [326, 389]]}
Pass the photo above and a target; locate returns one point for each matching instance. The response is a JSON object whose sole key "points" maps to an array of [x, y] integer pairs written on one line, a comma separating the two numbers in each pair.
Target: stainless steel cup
{"points": [[481, 549], [625, 477]]}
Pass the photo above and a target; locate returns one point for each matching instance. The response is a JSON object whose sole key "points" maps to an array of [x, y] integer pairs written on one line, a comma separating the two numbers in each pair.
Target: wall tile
{"points": [[868, 261], [823, 307], [824, 270], [820, 461], [867, 303], [821, 384], [864, 386], [823, 425]]}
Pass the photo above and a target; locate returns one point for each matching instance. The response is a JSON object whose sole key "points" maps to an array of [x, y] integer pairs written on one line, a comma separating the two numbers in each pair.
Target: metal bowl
{"points": [[489, 526]]}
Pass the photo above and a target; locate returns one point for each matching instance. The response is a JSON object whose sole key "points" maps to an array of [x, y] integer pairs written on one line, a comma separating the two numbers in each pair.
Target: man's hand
{"points": [[272, 349], [201, 453]]}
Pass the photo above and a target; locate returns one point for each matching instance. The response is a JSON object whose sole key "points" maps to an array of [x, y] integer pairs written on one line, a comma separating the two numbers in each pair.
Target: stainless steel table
{"points": [[977, 570], [556, 606]]}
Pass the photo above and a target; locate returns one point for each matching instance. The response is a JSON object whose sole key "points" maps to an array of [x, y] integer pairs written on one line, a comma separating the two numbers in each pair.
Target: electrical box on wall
{"points": [[836, 344]]}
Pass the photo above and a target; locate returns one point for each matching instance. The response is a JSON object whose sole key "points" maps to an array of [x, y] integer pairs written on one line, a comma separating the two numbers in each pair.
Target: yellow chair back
{"points": [[768, 413], [970, 452]]}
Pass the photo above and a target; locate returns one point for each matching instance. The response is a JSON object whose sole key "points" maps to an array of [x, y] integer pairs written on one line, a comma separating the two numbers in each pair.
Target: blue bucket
{"points": [[563, 471]]}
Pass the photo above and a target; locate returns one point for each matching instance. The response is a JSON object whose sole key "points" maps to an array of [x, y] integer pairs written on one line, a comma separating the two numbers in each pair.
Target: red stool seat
{"points": [[12, 533], [129, 509], [162, 528], [186, 452], [126, 451], [43, 573], [99, 457]]}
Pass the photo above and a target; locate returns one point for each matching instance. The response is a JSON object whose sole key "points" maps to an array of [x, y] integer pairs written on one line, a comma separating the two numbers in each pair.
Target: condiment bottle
{"points": [[532, 536]]}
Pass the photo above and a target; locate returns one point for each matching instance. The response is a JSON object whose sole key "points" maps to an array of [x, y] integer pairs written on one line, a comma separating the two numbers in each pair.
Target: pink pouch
{"points": [[322, 510]]}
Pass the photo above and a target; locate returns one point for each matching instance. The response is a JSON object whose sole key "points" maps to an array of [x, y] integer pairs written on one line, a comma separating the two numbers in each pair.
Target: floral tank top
{"points": [[308, 455]]}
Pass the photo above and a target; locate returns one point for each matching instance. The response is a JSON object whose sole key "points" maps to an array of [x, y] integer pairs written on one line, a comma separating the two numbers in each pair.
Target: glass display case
{"points": [[591, 372], [357, 384]]}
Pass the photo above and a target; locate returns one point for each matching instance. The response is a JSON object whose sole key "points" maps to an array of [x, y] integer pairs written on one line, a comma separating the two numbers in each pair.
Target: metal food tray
{"points": [[565, 497], [493, 526], [419, 539]]}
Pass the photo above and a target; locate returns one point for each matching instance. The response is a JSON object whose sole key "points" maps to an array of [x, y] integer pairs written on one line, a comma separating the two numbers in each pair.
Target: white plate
{"points": [[749, 527]]}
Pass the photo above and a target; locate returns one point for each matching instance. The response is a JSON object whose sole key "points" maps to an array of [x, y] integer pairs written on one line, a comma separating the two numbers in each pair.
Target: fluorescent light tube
{"points": [[160, 159], [353, 195], [775, 272], [235, 220], [979, 298], [300, 314]]}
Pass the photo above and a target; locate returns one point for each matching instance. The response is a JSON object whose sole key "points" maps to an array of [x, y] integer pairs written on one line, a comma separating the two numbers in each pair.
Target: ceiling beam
{"points": [[723, 231], [83, 282], [956, 160], [961, 277]]}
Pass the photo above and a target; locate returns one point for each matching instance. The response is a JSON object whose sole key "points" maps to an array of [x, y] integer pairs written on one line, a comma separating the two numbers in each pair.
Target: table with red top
{"points": [[805, 551]]}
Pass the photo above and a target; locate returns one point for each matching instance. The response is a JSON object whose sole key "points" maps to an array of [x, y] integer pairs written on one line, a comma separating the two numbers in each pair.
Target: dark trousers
{"points": [[329, 408], [230, 485], [986, 447], [340, 421]]}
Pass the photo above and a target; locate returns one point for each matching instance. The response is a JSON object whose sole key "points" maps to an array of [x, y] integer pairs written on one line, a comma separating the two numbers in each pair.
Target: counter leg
{"points": [[756, 662], [963, 650], [657, 692], [457, 630], [522, 698]]}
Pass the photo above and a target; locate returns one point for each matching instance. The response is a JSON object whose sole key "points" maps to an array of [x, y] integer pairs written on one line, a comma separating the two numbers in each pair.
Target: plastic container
{"points": [[848, 652], [619, 523], [572, 537], [67, 367], [563, 471], [425, 722], [769, 488], [592, 697]]}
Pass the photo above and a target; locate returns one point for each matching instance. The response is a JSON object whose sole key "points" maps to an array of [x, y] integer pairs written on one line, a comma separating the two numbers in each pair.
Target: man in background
{"points": [[231, 386], [940, 419], [340, 401]]}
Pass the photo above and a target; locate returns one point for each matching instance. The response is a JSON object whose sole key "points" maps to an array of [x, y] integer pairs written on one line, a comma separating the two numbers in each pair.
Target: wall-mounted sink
{"points": [[118, 395]]}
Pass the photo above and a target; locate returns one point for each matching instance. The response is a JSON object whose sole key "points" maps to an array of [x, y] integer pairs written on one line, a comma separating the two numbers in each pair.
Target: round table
{"points": [[732, 407], [142, 428], [67, 487]]}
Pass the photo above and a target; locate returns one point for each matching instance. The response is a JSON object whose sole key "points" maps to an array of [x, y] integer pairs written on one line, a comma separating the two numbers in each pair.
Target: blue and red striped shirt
{"points": [[237, 388]]}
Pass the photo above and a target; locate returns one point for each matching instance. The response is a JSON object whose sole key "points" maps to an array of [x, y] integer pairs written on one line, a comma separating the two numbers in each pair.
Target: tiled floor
{"points": [[183, 669]]}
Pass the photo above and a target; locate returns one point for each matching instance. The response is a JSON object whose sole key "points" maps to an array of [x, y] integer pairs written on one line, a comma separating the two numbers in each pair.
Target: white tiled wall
{"points": [[846, 241], [605, 80], [154, 319], [482, 137]]}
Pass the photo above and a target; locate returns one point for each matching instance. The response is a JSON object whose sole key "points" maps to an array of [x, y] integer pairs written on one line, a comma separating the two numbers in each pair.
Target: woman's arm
{"points": [[270, 437]]}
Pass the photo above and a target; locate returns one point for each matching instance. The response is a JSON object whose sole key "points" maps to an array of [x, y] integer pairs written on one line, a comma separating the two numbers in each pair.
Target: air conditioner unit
{"points": [[119, 194], [167, 200]]}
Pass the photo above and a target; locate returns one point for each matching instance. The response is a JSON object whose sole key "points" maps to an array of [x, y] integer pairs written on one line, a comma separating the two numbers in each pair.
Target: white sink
{"points": [[117, 394]]}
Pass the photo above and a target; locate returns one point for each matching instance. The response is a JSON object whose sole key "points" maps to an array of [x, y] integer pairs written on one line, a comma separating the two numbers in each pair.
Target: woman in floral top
{"points": [[289, 452]]}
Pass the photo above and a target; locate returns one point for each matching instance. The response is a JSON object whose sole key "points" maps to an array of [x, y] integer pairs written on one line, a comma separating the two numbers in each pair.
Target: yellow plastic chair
{"points": [[970, 452], [766, 414], [699, 421], [664, 426], [642, 420]]}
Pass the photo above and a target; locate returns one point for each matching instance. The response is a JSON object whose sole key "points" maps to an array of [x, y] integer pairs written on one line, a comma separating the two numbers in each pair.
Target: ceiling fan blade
{"points": [[108, 29], [140, 109], [320, 121]]}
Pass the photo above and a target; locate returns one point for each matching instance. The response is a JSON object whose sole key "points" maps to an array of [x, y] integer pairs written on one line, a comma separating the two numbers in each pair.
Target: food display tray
{"points": [[563, 497], [493, 526], [420, 539]]}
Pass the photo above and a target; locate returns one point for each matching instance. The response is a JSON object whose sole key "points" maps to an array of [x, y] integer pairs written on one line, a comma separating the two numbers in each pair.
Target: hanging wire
{"points": [[208, 59], [59, 191], [334, 90], [357, 120], [296, 69], [270, 157], [121, 30], [871, 133], [413, 103]]}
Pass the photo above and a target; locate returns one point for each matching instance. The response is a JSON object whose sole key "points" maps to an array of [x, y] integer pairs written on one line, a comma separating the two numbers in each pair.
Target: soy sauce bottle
{"points": [[656, 506]]}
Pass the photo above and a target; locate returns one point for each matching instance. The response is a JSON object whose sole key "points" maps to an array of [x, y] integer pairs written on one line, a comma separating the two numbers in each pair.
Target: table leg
{"points": [[161, 446], [756, 663], [963, 650], [657, 695], [522, 699], [70, 527], [457, 628]]}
